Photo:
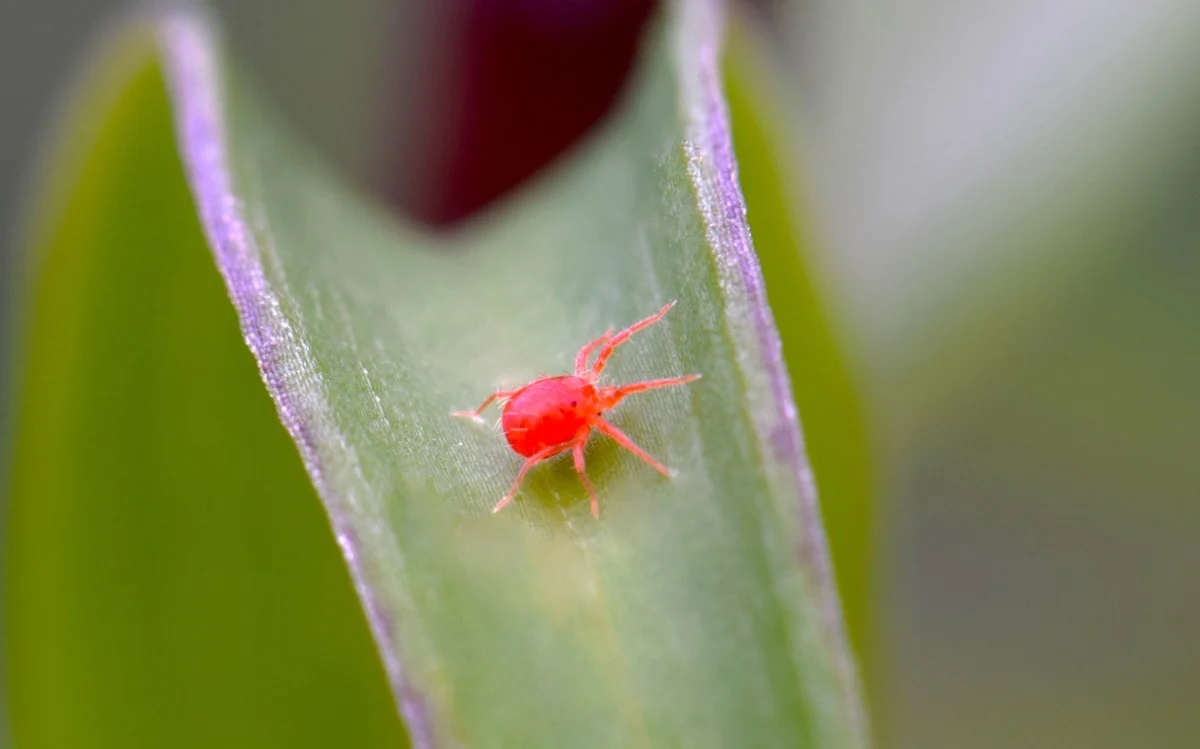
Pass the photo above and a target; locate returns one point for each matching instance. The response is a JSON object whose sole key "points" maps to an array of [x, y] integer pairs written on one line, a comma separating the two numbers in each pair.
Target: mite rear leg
{"points": [[581, 469], [530, 462], [477, 414]]}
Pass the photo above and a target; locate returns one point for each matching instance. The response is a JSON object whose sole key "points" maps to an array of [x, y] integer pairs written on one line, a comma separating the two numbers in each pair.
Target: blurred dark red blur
{"points": [[524, 80]]}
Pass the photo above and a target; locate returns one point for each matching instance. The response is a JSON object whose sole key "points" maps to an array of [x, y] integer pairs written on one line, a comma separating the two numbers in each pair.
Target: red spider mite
{"points": [[553, 414]]}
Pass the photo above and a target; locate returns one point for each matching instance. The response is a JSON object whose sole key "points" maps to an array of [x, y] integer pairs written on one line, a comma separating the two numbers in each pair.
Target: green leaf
{"points": [[697, 611]]}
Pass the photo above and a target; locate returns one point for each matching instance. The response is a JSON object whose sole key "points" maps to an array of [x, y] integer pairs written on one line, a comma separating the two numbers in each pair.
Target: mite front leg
{"points": [[619, 338], [624, 441], [581, 360], [477, 414], [611, 396]]}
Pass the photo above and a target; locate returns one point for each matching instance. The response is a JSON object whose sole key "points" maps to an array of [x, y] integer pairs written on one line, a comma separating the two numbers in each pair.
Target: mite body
{"points": [[554, 414], [548, 412]]}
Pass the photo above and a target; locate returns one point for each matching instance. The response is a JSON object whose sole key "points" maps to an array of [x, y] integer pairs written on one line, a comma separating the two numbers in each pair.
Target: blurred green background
{"points": [[1001, 205]]}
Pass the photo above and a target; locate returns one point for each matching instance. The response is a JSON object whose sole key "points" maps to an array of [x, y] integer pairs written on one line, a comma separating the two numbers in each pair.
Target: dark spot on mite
{"points": [[574, 403]]}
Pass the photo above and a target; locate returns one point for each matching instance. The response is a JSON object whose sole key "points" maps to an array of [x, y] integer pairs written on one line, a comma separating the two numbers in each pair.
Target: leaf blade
{"points": [[686, 615], [341, 348]]}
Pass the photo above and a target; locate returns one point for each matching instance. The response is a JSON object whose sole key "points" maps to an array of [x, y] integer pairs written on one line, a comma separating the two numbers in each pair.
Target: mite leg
{"points": [[614, 395], [628, 444], [530, 462], [581, 360], [476, 415], [582, 471], [619, 338]]}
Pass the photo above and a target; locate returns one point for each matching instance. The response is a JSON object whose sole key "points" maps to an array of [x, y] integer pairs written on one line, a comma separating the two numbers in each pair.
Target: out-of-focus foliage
{"points": [[171, 578]]}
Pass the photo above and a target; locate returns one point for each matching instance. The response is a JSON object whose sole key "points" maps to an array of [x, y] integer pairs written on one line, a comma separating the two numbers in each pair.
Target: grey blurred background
{"points": [[40, 45], [1010, 197], [1007, 197]]}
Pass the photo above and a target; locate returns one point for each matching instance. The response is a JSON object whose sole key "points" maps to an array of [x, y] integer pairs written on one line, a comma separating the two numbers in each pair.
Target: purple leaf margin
{"points": [[189, 46], [712, 166]]}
